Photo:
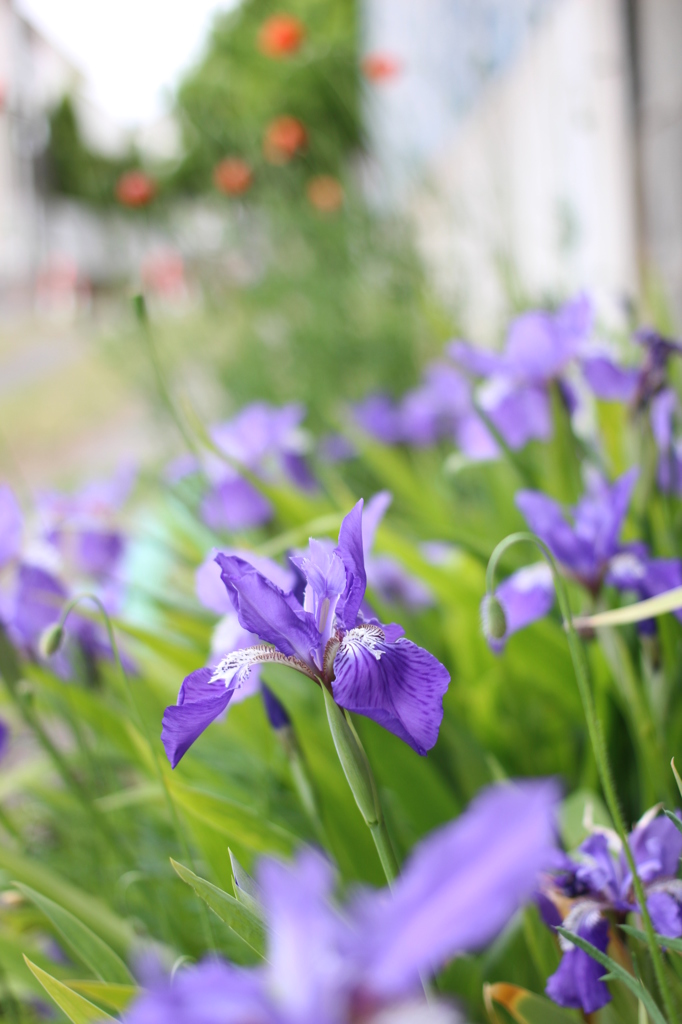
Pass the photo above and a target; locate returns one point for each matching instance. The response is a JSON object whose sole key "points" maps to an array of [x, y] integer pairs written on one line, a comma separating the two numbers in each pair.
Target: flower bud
{"points": [[51, 639], [274, 709], [493, 618]]}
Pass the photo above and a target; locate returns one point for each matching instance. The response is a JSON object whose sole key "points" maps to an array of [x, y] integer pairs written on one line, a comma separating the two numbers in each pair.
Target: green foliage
{"points": [[228, 100]]}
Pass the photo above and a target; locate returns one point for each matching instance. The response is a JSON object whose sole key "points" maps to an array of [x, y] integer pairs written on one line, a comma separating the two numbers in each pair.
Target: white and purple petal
{"points": [[393, 682]]}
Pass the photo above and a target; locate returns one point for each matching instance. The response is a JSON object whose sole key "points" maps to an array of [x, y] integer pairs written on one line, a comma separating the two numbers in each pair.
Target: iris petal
{"points": [[396, 684]]}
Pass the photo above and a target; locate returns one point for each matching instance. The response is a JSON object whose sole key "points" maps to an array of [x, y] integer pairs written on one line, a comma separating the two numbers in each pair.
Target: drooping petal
{"points": [[460, 886], [576, 983], [200, 702], [351, 553], [11, 525], [266, 610], [397, 684], [526, 596]]}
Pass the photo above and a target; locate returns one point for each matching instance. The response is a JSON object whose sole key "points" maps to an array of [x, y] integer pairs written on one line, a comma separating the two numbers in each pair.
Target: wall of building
{"points": [[533, 196]]}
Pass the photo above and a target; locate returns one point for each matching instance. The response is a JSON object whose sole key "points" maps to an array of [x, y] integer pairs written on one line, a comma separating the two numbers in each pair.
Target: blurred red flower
{"points": [[281, 35], [233, 176], [135, 188], [325, 193], [284, 138], [381, 67]]}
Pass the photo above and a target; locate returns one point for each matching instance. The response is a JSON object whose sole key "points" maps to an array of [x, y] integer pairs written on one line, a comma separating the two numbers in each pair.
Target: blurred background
{"points": [[313, 212]]}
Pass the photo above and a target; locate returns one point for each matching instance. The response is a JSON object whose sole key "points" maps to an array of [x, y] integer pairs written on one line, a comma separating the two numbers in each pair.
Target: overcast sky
{"points": [[130, 50]]}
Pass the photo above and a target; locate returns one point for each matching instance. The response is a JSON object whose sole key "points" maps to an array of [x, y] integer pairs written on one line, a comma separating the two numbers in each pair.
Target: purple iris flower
{"points": [[539, 348], [587, 545], [365, 962], [595, 887], [369, 668], [635, 385], [439, 408], [82, 526], [268, 441]]}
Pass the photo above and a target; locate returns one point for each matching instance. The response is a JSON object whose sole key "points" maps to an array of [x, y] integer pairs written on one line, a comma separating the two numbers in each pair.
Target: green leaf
{"points": [[662, 940], [669, 601], [245, 889], [234, 914], [117, 997], [87, 908], [76, 1008], [232, 819], [678, 780], [524, 1006], [617, 973], [92, 951]]}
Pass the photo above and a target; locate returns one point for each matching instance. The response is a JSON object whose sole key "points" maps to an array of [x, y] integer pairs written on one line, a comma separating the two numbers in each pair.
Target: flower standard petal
{"points": [[264, 609], [393, 682], [350, 551]]}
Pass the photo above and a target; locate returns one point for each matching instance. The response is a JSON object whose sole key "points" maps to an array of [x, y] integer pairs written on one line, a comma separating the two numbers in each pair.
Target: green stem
{"points": [[598, 742], [358, 772], [11, 673], [140, 308], [144, 729]]}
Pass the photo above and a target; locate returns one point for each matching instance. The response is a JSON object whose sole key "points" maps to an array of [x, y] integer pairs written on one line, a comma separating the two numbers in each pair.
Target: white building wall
{"points": [[531, 195]]}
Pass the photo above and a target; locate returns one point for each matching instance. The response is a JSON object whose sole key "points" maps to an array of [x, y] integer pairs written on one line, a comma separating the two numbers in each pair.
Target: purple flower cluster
{"points": [[331, 636], [511, 388], [367, 962], [587, 545], [75, 546], [267, 441], [592, 890]]}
